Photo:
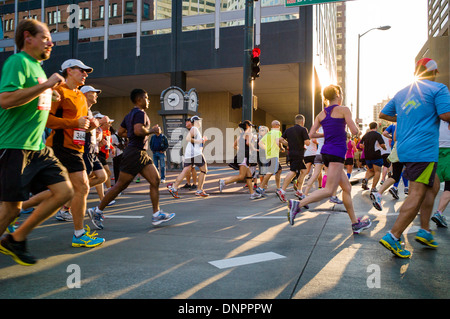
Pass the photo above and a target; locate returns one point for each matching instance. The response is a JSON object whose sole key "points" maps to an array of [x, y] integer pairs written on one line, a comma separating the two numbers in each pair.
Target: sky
{"points": [[387, 57]]}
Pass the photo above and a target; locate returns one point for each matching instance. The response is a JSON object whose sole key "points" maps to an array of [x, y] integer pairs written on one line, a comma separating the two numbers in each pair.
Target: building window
{"points": [[114, 10], [129, 7], [101, 13], [146, 13]]}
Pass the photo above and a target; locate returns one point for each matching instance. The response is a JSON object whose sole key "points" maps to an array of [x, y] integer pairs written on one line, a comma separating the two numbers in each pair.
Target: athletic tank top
{"points": [[334, 134]]}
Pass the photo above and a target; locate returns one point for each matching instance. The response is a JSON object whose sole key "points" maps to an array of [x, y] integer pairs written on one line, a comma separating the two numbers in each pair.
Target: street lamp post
{"points": [[383, 28]]}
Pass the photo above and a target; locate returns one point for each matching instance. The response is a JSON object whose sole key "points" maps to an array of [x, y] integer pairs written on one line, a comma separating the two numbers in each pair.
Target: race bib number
{"points": [[45, 99], [79, 137]]}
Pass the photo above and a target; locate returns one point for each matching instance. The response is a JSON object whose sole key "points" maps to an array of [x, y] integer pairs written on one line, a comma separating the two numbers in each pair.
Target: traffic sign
{"points": [[294, 3]]}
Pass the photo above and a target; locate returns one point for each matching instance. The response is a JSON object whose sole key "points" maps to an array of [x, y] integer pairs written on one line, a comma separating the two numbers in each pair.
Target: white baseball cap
{"points": [[88, 88], [74, 62]]}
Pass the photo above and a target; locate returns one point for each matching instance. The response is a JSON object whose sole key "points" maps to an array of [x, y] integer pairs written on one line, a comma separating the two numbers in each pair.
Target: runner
{"points": [[193, 156], [26, 164], [372, 143], [244, 148], [333, 119], [386, 169], [296, 138], [417, 109], [443, 172], [270, 143], [69, 122], [135, 160], [349, 156]]}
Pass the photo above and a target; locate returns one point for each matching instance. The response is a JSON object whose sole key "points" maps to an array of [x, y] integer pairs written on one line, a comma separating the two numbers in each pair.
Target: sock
{"points": [[98, 210], [156, 214], [349, 175], [65, 208], [79, 233], [393, 237]]}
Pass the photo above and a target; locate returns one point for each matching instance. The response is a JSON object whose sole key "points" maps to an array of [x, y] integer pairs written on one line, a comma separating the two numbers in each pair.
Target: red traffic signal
{"points": [[256, 52]]}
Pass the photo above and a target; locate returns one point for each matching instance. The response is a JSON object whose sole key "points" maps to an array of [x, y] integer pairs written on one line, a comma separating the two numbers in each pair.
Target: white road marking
{"points": [[246, 260], [122, 216]]}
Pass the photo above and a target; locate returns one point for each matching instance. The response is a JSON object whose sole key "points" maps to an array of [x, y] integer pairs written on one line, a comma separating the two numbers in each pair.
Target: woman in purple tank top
{"points": [[333, 120]]}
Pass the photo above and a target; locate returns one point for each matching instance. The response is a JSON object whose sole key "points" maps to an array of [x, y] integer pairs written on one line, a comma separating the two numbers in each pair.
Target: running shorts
{"points": [[310, 159], [92, 163], [348, 161], [327, 159], [274, 165], [296, 164], [198, 161], [134, 160], [420, 172], [24, 171], [71, 159], [377, 162], [443, 168]]}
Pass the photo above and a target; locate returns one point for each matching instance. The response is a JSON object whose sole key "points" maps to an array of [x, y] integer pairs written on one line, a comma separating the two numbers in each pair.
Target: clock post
{"points": [[176, 107]]}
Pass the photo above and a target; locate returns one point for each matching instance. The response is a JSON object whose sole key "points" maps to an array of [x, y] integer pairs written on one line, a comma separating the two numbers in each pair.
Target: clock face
{"points": [[193, 101], [173, 100]]}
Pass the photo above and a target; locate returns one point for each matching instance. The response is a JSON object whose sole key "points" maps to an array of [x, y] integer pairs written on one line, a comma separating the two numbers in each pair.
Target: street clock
{"points": [[173, 99], [192, 100]]}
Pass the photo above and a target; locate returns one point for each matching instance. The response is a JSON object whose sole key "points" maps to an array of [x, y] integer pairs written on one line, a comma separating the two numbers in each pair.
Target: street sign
{"points": [[295, 3]]}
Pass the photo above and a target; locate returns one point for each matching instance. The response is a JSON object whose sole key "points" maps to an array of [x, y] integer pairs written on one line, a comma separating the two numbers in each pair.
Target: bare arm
{"points": [[387, 117], [350, 123], [316, 125], [22, 96], [141, 130]]}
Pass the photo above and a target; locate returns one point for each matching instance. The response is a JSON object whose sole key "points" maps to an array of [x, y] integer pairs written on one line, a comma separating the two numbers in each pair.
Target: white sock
{"points": [[156, 214], [98, 210], [393, 237], [79, 233]]}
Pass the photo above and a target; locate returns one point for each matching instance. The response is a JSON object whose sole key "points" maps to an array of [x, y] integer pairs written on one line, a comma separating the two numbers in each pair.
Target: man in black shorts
{"points": [[135, 126], [295, 137], [372, 142], [26, 164]]}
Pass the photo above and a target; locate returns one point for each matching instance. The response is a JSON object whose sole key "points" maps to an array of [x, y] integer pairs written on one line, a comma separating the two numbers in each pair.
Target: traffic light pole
{"points": [[247, 87]]}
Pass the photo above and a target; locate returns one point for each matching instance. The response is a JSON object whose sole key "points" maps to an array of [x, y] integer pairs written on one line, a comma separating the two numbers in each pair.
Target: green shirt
{"points": [[270, 141], [22, 127]]}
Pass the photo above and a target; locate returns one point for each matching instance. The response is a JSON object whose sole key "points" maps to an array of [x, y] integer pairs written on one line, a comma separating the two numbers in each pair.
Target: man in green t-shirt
{"points": [[26, 164], [272, 145]]}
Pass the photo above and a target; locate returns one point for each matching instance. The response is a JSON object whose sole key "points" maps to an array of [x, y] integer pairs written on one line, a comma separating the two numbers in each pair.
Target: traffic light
{"points": [[256, 52]]}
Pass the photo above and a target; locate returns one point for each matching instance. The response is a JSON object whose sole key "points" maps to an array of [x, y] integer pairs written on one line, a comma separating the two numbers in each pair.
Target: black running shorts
{"points": [[24, 171]]}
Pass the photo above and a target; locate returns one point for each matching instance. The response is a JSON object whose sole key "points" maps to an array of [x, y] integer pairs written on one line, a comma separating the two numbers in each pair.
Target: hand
{"points": [[55, 80], [204, 139], [93, 123], [55, 96], [83, 122]]}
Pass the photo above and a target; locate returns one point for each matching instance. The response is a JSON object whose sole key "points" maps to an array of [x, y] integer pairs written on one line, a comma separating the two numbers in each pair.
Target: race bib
{"points": [[79, 136], [45, 99]]}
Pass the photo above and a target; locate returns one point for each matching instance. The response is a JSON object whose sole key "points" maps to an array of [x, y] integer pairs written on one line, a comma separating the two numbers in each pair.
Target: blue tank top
{"points": [[334, 134]]}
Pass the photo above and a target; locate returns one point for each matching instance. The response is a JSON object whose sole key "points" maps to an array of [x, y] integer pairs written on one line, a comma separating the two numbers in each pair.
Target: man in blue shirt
{"points": [[417, 109], [159, 144]]}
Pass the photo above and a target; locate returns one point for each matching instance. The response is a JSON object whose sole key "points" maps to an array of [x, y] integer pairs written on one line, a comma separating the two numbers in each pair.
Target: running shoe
{"points": [[64, 215], [186, 186], [281, 195], [426, 238], [364, 184], [111, 203], [201, 193], [395, 246], [301, 196], [255, 195], [88, 239], [138, 180], [162, 218], [193, 187], [361, 225], [13, 226], [376, 200], [394, 192], [293, 209], [96, 217], [261, 191], [439, 219], [221, 185], [406, 190], [17, 250], [336, 200], [173, 192], [27, 211]]}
